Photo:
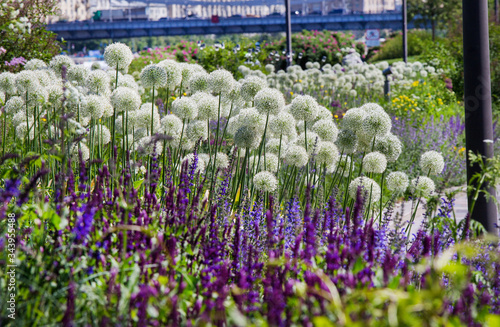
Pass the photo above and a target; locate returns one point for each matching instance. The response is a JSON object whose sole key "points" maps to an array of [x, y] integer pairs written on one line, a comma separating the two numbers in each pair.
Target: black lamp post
{"points": [[477, 100], [288, 18], [387, 86], [405, 32]]}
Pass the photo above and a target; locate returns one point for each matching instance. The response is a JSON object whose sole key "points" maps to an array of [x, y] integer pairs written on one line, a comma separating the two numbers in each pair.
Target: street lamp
{"points": [[288, 18], [405, 32], [387, 86]]}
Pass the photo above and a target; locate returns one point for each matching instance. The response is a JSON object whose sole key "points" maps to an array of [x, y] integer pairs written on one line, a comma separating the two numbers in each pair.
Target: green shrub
{"points": [[392, 48]]}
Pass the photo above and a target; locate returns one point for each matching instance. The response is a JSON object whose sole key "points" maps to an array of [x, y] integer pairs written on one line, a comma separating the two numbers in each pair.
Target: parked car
{"points": [[235, 17], [163, 19], [337, 11], [315, 13], [275, 14]]}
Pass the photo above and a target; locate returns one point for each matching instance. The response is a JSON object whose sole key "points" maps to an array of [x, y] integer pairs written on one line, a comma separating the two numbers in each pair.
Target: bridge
{"points": [[74, 31]]}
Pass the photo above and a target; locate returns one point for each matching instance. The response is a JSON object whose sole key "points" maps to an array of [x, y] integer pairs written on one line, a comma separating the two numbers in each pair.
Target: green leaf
{"points": [[138, 183], [358, 266]]}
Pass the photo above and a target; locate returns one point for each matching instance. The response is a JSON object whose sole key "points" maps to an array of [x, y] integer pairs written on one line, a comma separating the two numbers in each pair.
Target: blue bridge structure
{"points": [[74, 31]]}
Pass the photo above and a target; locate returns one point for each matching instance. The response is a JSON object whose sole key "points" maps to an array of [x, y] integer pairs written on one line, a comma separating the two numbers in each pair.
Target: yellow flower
{"points": [[345, 103], [336, 116], [413, 110], [462, 149], [184, 94], [291, 93]]}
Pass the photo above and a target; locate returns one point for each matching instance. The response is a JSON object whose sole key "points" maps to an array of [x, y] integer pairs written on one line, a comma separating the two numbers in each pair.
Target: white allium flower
{"points": [[397, 182], [8, 82], [97, 82], [353, 93], [94, 106], [374, 162], [125, 99], [204, 156], [148, 145], [81, 147], [14, 105], [221, 81], [153, 75], [273, 146], [369, 189], [55, 94], [208, 106], [422, 186], [390, 146], [324, 113], [270, 68], [282, 124], [95, 66], [171, 125], [353, 119], [118, 56], [265, 181], [377, 123], [185, 108], [142, 117], [304, 107], [78, 73], [269, 101], [112, 76], [2, 98], [247, 137], [101, 134], [222, 161], [371, 107], [252, 118], [326, 130], [297, 87], [35, 64], [199, 82], [128, 81], [200, 163], [57, 63], [26, 80], [296, 156], [19, 117], [22, 130], [347, 141], [250, 86], [186, 72], [196, 130], [431, 163], [37, 96], [313, 141], [174, 73], [328, 154]]}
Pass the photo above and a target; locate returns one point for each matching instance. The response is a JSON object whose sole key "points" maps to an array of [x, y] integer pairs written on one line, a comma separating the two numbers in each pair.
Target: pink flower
{"points": [[2, 50]]}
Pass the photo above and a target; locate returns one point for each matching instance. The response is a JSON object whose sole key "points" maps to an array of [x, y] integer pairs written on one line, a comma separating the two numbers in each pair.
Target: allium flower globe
{"points": [[265, 181], [296, 156], [14, 105], [97, 82], [353, 119], [222, 161], [190, 159], [347, 141], [374, 162], [422, 186], [390, 146], [376, 124], [171, 125], [328, 154], [35, 64], [370, 190], [269, 101], [251, 117], [8, 82], [282, 124], [310, 141], [324, 113], [250, 86], [197, 130], [246, 137], [221, 81], [153, 76], [185, 108], [57, 63], [432, 163], [326, 130], [174, 73], [397, 182], [199, 82], [78, 74], [304, 107], [76, 149], [26, 80], [101, 134], [208, 106], [125, 99], [118, 56], [94, 106]]}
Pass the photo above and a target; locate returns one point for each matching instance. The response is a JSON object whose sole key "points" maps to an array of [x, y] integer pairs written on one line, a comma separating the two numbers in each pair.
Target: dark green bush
{"points": [[392, 48]]}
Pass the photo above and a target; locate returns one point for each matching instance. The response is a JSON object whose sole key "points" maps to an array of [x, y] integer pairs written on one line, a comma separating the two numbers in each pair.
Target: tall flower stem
{"points": [[114, 118]]}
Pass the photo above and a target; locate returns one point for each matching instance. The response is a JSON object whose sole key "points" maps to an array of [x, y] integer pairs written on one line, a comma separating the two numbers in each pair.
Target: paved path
{"points": [[460, 207]]}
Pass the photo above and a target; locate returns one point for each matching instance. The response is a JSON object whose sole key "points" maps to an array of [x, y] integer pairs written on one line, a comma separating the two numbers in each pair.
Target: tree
{"points": [[23, 34], [435, 12]]}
